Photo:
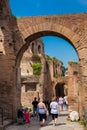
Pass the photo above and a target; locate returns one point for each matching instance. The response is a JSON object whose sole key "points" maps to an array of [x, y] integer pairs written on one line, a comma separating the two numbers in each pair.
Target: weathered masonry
{"points": [[15, 38]]}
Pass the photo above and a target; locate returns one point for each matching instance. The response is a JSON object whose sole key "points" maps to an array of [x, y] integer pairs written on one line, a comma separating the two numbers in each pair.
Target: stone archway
{"points": [[16, 37], [59, 90], [69, 29]]}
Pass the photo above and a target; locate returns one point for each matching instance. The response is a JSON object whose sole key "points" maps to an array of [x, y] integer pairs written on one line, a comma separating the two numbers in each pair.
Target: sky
{"points": [[54, 46]]}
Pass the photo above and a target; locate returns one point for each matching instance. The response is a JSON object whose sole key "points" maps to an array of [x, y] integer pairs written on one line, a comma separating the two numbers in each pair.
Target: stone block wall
{"points": [[73, 90]]}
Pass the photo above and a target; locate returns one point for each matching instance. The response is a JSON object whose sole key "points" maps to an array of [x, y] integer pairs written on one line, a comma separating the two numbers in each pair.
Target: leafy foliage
{"points": [[52, 58], [37, 69], [64, 70], [72, 62]]}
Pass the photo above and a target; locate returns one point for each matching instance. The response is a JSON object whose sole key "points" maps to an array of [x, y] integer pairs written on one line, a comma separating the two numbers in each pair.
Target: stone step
{"points": [[6, 123]]}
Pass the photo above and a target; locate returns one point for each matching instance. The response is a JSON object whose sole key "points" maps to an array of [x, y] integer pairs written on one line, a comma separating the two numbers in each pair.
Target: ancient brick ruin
{"points": [[15, 38], [37, 85]]}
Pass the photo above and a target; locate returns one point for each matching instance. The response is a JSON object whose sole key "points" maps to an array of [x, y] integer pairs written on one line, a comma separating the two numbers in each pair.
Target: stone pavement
{"points": [[62, 124]]}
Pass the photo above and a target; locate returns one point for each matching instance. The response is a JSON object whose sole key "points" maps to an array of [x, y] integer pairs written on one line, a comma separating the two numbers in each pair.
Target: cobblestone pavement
{"points": [[62, 124]]}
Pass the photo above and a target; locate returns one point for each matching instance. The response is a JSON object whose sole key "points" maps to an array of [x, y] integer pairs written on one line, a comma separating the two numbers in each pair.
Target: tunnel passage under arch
{"points": [[59, 90], [30, 39]]}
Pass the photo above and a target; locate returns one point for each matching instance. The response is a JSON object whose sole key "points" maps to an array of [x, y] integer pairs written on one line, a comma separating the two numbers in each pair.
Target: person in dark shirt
{"points": [[35, 103], [20, 116]]}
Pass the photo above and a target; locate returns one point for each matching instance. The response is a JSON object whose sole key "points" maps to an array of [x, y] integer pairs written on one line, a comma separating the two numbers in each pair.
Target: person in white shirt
{"points": [[54, 110], [66, 102], [61, 103]]}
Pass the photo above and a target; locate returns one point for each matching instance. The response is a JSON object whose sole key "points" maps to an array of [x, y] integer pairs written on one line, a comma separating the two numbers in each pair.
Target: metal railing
{"points": [[1, 116], [6, 112]]}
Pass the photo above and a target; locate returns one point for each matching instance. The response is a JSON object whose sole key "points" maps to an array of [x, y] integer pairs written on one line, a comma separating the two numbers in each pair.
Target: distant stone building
{"points": [[32, 84]]}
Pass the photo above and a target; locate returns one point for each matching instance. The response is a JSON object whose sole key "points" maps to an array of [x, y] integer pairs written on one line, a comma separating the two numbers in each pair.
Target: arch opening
{"points": [[37, 35], [59, 91]]}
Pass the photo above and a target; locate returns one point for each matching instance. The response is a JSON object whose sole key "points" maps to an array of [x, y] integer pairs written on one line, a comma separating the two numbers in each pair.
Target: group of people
{"points": [[53, 107], [41, 109], [63, 103], [23, 116]]}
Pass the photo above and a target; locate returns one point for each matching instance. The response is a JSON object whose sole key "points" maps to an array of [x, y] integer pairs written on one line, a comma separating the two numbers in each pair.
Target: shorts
{"points": [[34, 110], [42, 116], [54, 116]]}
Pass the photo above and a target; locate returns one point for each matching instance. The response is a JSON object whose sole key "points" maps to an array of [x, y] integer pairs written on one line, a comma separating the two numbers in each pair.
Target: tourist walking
{"points": [[65, 102], [42, 111], [54, 110], [35, 103], [27, 116], [20, 116], [61, 103]]}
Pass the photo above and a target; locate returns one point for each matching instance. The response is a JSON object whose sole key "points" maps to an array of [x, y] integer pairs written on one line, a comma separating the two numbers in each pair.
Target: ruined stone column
{"points": [[73, 95]]}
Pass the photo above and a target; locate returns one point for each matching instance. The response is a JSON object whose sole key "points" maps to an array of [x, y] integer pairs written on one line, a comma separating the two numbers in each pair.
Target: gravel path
{"points": [[62, 124]]}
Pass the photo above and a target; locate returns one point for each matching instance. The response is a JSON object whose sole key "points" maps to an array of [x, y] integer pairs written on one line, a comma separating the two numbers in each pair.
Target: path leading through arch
{"points": [[62, 124]]}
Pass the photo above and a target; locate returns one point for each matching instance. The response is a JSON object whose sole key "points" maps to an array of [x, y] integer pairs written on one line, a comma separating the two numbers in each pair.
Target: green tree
{"points": [[37, 68]]}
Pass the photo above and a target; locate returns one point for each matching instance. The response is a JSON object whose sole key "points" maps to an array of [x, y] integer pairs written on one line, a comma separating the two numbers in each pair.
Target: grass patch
{"points": [[83, 122]]}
